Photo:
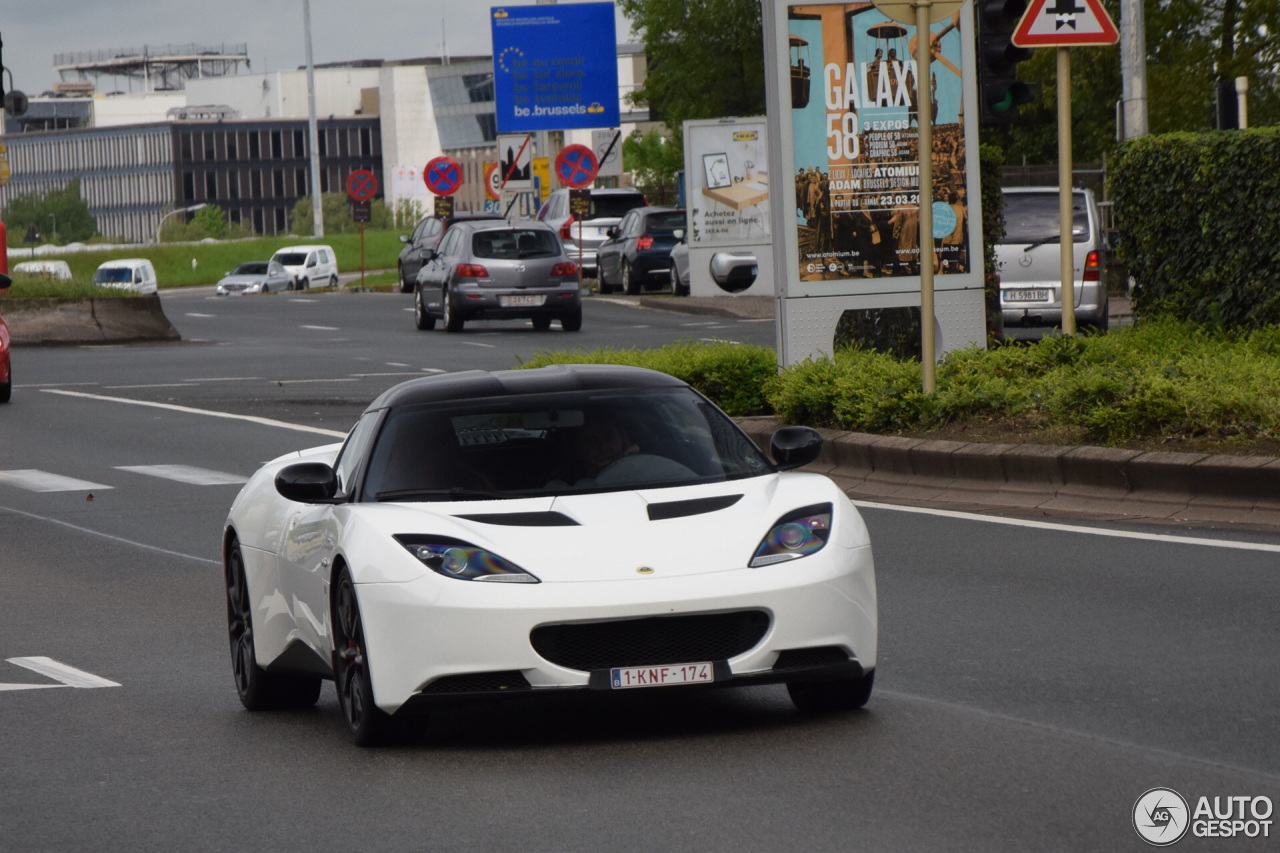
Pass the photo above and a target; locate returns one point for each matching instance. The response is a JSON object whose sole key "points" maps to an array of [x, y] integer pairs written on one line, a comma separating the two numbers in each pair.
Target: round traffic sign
{"points": [[576, 166], [362, 185], [492, 181], [442, 175]]}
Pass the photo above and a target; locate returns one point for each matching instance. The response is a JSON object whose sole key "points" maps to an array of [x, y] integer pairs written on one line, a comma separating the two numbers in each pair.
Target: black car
{"points": [[426, 235], [638, 251]]}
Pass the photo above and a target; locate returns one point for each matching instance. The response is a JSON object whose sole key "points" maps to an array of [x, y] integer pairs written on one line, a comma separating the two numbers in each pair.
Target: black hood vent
{"points": [[697, 506], [523, 519]]}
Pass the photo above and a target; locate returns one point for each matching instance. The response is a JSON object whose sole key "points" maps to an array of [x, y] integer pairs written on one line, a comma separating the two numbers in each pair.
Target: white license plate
{"points": [[514, 301], [1027, 295], [656, 676]]}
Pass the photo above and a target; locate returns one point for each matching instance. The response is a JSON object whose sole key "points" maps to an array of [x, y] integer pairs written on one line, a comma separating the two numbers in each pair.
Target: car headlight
{"points": [[454, 558], [795, 535]]}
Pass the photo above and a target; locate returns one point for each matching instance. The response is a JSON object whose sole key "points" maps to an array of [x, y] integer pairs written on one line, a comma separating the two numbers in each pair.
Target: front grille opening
{"points": [[816, 656], [479, 682], [652, 641]]}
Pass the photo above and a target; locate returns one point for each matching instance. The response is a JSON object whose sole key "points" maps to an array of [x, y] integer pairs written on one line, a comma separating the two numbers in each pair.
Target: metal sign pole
{"points": [[1066, 239], [924, 125], [362, 256]]}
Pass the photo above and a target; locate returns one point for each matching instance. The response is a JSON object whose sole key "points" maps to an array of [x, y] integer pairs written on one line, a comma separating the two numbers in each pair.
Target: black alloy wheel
{"points": [[258, 689], [367, 724], [452, 320], [630, 284]]}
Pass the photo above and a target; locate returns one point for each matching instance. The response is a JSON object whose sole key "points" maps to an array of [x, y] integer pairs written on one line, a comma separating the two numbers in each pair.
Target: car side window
{"points": [[420, 231], [354, 451], [449, 243], [434, 228]]}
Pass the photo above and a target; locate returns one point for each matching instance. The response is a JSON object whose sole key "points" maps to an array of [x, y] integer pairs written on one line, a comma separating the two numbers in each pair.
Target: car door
{"points": [[427, 236], [609, 255], [435, 272]]}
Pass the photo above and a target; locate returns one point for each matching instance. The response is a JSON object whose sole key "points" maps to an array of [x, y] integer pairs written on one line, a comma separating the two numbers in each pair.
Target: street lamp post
{"points": [[192, 209]]}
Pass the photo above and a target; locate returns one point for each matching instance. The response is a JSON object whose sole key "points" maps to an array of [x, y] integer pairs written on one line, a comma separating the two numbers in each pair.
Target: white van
{"points": [[1029, 258], [309, 265], [136, 274], [56, 270]]}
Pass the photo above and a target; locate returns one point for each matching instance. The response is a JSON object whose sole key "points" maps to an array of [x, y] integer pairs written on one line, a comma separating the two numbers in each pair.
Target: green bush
{"points": [[730, 375], [1199, 217]]}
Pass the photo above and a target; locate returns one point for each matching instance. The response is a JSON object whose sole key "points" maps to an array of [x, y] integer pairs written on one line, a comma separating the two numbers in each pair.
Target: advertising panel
{"points": [[555, 67], [727, 176], [855, 123]]}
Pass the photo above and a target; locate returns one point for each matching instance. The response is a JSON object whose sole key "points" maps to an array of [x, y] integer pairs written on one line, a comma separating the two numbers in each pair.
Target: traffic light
{"points": [[1000, 92]]}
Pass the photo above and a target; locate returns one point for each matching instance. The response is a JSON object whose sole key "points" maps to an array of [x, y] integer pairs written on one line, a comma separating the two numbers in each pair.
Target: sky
{"points": [[33, 31]]}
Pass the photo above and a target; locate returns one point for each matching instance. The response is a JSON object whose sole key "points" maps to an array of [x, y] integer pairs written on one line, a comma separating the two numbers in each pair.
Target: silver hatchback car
{"points": [[498, 271]]}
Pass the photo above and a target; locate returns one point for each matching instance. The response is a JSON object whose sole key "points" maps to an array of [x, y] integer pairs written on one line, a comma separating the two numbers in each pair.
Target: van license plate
{"points": [[1027, 296], [656, 676], [513, 301]]}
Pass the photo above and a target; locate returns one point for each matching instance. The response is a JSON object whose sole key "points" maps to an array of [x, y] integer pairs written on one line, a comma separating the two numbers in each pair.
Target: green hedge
{"points": [[732, 376], [1199, 218]]}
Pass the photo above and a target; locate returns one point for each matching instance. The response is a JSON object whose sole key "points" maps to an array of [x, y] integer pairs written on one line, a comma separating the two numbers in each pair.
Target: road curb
{"points": [[1190, 487]]}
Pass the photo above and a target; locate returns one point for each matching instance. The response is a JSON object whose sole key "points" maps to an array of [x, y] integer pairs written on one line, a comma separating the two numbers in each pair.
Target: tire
{"points": [[677, 289], [603, 283], [258, 689], [6, 390], [421, 317], [304, 284], [542, 323], [333, 281], [629, 283], [824, 697], [405, 286], [572, 322], [367, 724], [452, 322]]}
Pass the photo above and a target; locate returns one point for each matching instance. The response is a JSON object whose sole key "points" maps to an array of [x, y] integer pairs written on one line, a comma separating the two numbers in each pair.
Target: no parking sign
{"points": [[443, 175], [576, 166]]}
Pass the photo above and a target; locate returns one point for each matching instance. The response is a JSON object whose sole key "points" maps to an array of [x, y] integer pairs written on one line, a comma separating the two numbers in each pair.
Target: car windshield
{"points": [[1033, 218], [113, 275], [557, 444], [614, 206], [291, 259], [254, 268], [664, 223], [514, 243]]}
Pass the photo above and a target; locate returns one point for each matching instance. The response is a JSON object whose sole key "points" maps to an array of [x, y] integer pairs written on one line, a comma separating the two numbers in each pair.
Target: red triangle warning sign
{"points": [[1065, 23]]}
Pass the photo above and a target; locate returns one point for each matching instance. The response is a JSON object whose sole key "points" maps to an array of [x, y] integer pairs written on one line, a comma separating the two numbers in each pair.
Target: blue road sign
{"points": [[555, 67]]}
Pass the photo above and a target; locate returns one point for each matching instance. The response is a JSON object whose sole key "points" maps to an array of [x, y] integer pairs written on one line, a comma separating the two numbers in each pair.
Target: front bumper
{"points": [[821, 612]]}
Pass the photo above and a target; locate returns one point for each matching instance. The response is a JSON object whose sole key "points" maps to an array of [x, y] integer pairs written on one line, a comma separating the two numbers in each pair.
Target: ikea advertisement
{"points": [[555, 67], [727, 175], [855, 120]]}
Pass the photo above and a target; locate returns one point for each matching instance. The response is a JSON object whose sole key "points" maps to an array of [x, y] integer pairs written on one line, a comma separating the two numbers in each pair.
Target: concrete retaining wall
{"points": [[1065, 480], [86, 321]]}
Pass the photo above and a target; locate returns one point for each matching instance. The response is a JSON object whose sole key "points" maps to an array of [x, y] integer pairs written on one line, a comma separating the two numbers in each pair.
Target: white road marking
{"points": [[478, 344], [645, 326], [226, 379], [201, 316], [207, 412], [34, 480], [707, 323], [1071, 528], [320, 328], [68, 675], [304, 301], [159, 385], [186, 474], [433, 370], [313, 381], [374, 375], [99, 533], [396, 364]]}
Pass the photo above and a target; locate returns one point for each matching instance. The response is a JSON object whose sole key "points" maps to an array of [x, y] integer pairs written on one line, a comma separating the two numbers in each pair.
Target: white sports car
{"points": [[580, 527]]}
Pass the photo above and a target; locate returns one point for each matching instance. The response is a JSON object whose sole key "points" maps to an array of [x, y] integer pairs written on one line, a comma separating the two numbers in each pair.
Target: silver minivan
{"points": [[1029, 261]]}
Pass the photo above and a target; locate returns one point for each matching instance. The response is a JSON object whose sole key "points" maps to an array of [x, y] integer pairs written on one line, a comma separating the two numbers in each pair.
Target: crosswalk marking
{"points": [[186, 474], [34, 480]]}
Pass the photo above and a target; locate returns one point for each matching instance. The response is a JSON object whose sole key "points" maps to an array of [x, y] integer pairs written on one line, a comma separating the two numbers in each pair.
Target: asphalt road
{"points": [[1034, 679]]}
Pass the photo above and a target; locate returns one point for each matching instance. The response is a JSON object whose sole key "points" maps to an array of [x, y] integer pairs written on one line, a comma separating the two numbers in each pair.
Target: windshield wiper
{"points": [[406, 494], [1053, 238]]}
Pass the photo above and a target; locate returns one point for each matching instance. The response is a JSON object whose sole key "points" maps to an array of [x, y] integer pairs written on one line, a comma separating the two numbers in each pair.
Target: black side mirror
{"points": [[307, 483], [5, 281], [795, 446], [404, 238]]}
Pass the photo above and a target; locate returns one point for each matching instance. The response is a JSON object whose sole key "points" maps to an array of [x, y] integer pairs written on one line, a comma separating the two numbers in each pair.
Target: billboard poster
{"points": [[726, 163], [555, 67], [855, 121]]}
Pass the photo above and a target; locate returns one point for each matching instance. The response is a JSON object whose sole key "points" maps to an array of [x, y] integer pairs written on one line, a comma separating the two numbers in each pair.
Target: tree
{"points": [[653, 161], [60, 210], [706, 58], [336, 209]]}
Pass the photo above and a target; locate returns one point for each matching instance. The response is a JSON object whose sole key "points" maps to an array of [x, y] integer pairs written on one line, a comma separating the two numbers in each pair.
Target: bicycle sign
{"points": [[576, 166]]}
